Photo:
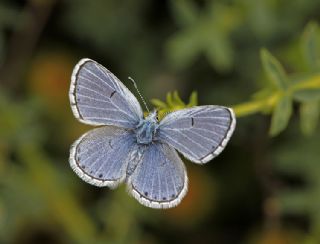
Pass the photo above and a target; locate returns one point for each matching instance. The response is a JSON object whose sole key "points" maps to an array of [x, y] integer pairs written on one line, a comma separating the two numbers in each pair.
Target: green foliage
{"points": [[303, 88], [311, 45], [212, 30], [298, 157], [274, 70], [174, 102], [113, 29], [281, 115], [33, 176], [206, 33], [309, 114], [91, 29], [19, 138]]}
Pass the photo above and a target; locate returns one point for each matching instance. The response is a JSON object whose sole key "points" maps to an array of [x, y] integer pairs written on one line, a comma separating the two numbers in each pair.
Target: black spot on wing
{"points": [[111, 95]]}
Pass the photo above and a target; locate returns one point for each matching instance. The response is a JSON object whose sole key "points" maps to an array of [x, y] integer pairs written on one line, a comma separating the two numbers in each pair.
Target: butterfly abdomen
{"points": [[134, 158]]}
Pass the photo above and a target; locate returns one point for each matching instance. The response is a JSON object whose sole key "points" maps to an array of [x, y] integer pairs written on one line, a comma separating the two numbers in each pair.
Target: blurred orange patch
{"points": [[274, 235], [198, 201], [49, 78]]}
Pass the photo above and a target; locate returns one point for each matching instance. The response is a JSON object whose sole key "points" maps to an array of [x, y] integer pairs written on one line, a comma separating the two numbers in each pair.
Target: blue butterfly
{"points": [[140, 150]]}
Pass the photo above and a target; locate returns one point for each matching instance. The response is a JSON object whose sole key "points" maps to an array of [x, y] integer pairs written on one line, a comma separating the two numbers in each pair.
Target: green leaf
{"points": [[173, 102], [170, 101], [274, 70], [209, 34], [184, 11], [177, 99], [310, 46], [281, 115], [306, 86], [309, 115], [219, 52], [193, 100], [307, 95], [158, 103], [183, 48]]}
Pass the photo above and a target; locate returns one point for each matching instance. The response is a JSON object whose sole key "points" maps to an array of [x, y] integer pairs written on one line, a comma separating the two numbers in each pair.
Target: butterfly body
{"points": [[147, 129], [141, 152]]}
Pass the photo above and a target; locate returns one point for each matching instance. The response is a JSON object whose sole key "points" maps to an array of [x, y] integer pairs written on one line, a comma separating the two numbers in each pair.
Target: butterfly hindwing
{"points": [[98, 97], [199, 133], [100, 157], [160, 179]]}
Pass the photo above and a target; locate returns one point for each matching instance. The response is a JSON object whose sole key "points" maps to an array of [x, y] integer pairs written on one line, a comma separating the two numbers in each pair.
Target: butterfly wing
{"points": [[98, 97], [100, 157], [199, 133], [160, 179]]}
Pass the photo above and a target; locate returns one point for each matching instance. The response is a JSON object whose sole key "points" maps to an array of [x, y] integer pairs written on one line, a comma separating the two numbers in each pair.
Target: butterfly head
{"points": [[153, 116]]}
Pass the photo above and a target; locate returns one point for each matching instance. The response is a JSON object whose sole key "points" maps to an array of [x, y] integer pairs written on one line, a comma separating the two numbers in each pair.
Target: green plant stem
{"points": [[255, 106], [312, 83]]}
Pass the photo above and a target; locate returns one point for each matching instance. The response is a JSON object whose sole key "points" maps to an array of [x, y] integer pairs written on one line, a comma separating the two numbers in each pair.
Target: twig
{"points": [[255, 106]]}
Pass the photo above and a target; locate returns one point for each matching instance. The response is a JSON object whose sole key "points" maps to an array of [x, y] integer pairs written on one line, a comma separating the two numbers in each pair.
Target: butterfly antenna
{"points": [[135, 85]]}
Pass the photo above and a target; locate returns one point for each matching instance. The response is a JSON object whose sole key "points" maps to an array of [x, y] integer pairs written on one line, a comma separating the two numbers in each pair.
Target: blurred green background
{"points": [[260, 57]]}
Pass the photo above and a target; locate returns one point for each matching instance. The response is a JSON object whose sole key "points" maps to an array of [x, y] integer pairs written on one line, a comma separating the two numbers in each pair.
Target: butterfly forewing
{"points": [[160, 179], [199, 133], [100, 157], [99, 98]]}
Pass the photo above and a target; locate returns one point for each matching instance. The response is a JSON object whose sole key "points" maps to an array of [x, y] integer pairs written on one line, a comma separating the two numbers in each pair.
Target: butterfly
{"points": [[141, 151]]}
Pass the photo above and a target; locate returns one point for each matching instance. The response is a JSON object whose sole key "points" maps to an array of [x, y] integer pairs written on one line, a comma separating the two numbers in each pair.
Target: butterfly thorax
{"points": [[147, 128]]}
